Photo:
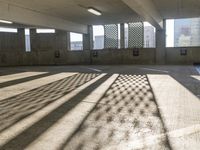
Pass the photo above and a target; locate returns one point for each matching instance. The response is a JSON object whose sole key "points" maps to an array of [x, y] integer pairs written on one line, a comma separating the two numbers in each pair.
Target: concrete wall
{"points": [[52, 49], [44, 58], [12, 41], [173, 56], [124, 56], [147, 56], [48, 41]]}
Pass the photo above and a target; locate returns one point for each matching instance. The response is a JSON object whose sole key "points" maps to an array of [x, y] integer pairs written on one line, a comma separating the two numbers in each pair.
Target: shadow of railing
{"points": [[18, 107], [124, 118], [56, 89]]}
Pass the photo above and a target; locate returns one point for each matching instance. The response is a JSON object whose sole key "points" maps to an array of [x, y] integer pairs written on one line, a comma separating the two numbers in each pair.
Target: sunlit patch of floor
{"points": [[100, 108], [126, 113]]}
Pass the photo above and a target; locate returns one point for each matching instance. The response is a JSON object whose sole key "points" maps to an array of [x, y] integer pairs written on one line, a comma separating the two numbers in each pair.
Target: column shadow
{"points": [[55, 90], [18, 107]]}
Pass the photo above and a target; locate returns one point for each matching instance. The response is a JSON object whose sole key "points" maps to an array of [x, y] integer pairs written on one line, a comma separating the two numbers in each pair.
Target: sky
{"points": [[75, 37], [170, 33]]}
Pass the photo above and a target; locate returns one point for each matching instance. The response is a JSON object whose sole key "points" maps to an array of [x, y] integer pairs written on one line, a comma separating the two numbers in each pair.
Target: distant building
{"points": [[99, 42], [78, 45], [195, 32], [187, 32], [149, 38]]}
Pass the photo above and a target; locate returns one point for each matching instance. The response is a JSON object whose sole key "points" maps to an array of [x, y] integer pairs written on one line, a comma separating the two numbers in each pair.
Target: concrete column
{"points": [[88, 39], [160, 47], [21, 39], [122, 35], [33, 37], [61, 40], [68, 41]]}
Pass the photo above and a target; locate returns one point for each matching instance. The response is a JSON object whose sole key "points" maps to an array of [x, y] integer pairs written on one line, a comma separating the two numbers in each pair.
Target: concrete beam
{"points": [[30, 17], [147, 10], [122, 35], [88, 39]]}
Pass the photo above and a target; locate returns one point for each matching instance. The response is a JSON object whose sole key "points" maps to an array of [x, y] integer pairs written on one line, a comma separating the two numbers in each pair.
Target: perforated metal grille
{"points": [[111, 36], [135, 35]]}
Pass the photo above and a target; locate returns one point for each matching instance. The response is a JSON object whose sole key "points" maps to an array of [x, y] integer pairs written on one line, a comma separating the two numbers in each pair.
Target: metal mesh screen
{"points": [[135, 35], [111, 36]]}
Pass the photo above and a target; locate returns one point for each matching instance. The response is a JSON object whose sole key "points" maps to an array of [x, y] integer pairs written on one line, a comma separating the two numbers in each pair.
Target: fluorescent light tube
{"points": [[94, 11], [7, 22]]}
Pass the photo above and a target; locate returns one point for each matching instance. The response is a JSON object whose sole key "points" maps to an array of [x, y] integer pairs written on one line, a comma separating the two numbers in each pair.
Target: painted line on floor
{"points": [[155, 70], [93, 69]]}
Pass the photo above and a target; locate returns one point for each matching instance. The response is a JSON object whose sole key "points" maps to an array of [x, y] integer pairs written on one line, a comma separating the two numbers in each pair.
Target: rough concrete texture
{"points": [[45, 46], [173, 56], [100, 108], [48, 41], [47, 57], [120, 56], [17, 40]]}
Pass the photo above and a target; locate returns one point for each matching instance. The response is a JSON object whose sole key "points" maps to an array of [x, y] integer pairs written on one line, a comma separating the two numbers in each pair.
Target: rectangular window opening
{"points": [[76, 41], [126, 34], [149, 39], [9, 30], [45, 31], [119, 37], [27, 40], [183, 32], [98, 37], [149, 35]]}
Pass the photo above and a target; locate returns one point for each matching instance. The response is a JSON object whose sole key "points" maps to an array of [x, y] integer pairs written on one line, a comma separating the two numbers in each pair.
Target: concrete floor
{"points": [[100, 108]]}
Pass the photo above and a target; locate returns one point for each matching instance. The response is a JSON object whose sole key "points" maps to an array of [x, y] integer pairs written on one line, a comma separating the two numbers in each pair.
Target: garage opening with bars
{"points": [[136, 35], [111, 36]]}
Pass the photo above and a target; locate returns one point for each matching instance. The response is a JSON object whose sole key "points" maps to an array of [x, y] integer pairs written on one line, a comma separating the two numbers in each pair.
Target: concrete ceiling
{"points": [[17, 25], [172, 9], [72, 15], [113, 11]]}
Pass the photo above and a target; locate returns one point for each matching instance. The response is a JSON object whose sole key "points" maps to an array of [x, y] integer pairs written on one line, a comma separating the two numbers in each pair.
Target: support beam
{"points": [[33, 38], [30, 17], [68, 41], [160, 47], [61, 40], [147, 10], [88, 39], [122, 35], [21, 38]]}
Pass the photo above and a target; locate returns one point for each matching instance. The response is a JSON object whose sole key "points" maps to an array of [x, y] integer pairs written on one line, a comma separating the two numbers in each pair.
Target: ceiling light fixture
{"points": [[94, 11], [7, 22]]}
